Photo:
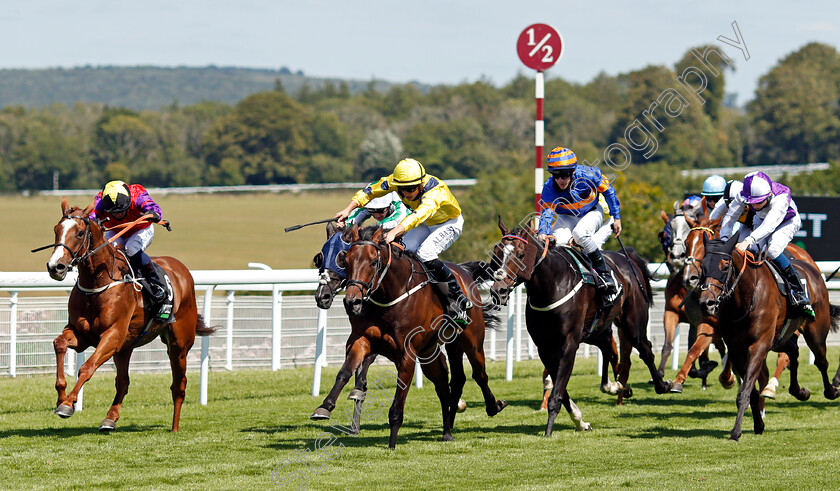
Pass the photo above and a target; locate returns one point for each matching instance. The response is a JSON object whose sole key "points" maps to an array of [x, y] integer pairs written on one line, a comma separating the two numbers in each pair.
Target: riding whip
{"points": [[295, 227], [623, 250]]}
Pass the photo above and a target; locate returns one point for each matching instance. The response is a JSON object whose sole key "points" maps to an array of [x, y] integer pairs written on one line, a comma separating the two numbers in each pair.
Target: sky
{"points": [[431, 41]]}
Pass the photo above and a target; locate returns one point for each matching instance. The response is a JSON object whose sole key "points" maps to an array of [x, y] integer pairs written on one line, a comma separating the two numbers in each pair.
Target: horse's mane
{"points": [[366, 233]]}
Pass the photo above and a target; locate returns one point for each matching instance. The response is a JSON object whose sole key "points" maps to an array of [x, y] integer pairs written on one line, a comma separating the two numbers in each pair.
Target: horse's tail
{"points": [[834, 312], [201, 329], [642, 263], [481, 271]]}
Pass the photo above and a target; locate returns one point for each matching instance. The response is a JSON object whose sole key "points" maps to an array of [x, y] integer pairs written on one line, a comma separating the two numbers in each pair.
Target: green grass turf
{"points": [[219, 231], [257, 420]]}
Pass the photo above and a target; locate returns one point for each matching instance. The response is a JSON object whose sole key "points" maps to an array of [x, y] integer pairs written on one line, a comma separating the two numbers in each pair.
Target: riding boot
{"points": [[155, 285], [797, 293], [608, 286], [457, 303]]}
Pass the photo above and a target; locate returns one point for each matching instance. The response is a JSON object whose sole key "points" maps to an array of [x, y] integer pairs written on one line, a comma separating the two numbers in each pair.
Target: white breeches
{"points": [[781, 237], [428, 241], [583, 229], [133, 243]]}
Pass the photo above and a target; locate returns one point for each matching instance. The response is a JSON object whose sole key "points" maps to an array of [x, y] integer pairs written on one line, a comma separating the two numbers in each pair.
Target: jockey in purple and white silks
{"points": [[572, 208], [775, 223]]}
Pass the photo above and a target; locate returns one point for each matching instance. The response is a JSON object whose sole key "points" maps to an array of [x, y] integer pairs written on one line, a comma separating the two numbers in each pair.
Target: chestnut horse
{"points": [[394, 311], [562, 306], [754, 318], [106, 310]]}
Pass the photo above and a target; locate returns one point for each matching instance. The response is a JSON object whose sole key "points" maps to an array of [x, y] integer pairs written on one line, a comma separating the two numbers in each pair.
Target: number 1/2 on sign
{"points": [[539, 46]]}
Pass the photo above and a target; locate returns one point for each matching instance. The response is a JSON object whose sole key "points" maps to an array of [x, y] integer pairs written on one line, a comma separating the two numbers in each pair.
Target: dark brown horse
{"points": [[754, 317], [331, 279], [395, 312], [107, 311], [689, 311], [562, 308]]}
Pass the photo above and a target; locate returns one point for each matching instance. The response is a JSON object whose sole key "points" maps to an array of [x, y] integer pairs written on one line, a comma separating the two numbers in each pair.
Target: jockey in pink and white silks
{"points": [[775, 223], [571, 195]]}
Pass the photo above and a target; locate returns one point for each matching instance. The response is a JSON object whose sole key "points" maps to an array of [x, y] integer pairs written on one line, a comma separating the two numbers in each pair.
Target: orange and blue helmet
{"points": [[561, 160]]}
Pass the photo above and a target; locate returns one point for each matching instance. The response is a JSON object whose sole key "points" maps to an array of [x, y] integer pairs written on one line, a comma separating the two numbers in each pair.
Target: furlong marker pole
{"points": [[539, 141]]}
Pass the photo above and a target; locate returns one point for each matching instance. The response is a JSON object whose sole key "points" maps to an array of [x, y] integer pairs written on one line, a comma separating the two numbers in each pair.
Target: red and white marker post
{"points": [[539, 47]]}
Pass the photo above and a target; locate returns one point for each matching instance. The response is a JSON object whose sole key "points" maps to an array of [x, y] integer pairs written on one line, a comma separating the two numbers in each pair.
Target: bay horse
{"points": [[395, 312], [678, 306], [107, 310], [754, 318], [562, 308]]}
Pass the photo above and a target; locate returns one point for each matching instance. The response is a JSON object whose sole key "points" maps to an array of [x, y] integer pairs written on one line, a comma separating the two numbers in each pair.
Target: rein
{"points": [[379, 276]]}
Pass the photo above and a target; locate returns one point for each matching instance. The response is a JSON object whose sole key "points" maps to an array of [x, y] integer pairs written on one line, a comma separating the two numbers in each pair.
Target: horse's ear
{"points": [[664, 216], [353, 233], [677, 207], [690, 221], [65, 206], [377, 236], [730, 244], [88, 210], [502, 226], [331, 229], [715, 224], [318, 260]]}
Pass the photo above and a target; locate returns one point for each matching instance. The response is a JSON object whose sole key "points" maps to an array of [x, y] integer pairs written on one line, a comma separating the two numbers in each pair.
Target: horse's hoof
{"points": [[492, 411], [320, 413], [768, 393], [64, 411], [356, 395], [107, 425], [727, 383], [831, 393], [628, 392], [804, 394], [462, 406], [676, 387], [448, 438], [583, 427]]}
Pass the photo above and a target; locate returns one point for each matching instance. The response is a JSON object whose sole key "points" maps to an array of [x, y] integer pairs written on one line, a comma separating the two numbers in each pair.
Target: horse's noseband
{"points": [[378, 274]]}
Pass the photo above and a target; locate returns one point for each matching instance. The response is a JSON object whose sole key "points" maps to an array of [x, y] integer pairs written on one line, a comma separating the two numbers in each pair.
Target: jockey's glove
{"points": [[155, 217]]}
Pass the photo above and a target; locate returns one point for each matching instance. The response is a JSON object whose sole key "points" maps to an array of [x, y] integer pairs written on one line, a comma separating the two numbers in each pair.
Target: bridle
{"points": [[76, 256], [502, 274], [691, 260], [368, 288]]}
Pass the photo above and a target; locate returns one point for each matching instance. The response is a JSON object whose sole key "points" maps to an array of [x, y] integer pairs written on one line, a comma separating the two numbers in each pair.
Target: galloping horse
{"points": [[106, 310], [706, 329], [562, 308], [754, 317], [394, 311], [673, 244], [331, 279]]}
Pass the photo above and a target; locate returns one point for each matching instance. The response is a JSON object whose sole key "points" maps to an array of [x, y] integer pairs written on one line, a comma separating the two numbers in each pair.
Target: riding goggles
{"points": [[562, 173]]}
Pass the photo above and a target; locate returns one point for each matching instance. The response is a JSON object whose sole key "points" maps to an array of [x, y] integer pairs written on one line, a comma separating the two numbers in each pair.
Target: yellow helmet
{"points": [[116, 197], [408, 172]]}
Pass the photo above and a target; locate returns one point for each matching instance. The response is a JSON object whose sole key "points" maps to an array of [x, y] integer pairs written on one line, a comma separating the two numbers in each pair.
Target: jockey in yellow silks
{"points": [[435, 224]]}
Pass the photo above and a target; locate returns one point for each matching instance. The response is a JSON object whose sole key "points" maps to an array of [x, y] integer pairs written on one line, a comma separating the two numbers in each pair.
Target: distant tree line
{"points": [[654, 121]]}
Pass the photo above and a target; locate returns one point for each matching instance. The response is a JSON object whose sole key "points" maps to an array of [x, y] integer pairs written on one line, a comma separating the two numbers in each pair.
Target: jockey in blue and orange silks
{"points": [[120, 203], [572, 196], [775, 223]]}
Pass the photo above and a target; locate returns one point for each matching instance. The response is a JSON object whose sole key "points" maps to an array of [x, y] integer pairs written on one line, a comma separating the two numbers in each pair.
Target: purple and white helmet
{"points": [[756, 188]]}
